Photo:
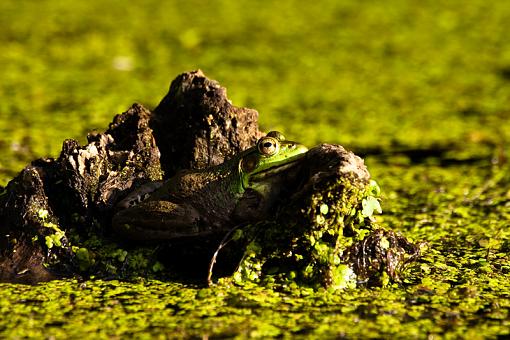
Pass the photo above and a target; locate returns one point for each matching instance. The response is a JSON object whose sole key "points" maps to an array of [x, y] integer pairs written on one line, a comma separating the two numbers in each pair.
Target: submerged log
{"points": [[55, 216]]}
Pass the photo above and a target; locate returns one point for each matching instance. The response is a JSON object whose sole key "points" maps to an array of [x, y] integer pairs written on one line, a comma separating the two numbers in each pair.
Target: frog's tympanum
{"points": [[200, 202]]}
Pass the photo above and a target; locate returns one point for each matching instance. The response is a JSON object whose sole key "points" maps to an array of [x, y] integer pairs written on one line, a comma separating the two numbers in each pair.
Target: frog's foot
{"points": [[158, 220]]}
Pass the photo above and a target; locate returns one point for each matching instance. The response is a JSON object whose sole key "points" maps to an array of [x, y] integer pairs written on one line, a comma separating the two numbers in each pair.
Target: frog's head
{"points": [[272, 155]]}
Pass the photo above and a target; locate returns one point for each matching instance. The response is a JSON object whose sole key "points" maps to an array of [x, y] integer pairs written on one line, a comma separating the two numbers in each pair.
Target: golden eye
{"points": [[249, 163], [268, 146]]}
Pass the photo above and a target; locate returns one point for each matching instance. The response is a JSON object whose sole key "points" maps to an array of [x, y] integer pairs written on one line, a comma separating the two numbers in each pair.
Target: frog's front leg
{"points": [[158, 220]]}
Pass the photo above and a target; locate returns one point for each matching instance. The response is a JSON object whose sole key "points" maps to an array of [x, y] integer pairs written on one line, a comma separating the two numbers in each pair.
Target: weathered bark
{"points": [[196, 125], [383, 252], [78, 189], [21, 256]]}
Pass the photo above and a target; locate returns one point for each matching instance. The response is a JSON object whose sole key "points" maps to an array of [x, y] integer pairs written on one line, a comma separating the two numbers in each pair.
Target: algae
{"points": [[309, 246], [387, 77]]}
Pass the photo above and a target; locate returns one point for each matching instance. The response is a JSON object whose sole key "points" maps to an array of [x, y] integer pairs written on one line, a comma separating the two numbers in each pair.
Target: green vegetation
{"points": [[308, 247], [368, 75]]}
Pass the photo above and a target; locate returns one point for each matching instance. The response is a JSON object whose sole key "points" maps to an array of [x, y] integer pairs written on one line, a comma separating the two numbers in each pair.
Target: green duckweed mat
{"points": [[421, 88]]}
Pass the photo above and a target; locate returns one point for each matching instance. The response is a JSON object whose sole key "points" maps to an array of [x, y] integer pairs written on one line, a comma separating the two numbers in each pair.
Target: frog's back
{"points": [[212, 191]]}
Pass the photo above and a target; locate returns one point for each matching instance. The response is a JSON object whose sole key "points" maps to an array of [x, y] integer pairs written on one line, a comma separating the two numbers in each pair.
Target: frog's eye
{"points": [[276, 134], [249, 163], [268, 146]]}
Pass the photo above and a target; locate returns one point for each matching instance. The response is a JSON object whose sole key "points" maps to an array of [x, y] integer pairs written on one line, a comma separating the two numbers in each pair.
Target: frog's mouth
{"points": [[275, 169]]}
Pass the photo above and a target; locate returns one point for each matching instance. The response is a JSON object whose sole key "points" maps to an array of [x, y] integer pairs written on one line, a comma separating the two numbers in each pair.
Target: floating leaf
{"points": [[370, 204], [324, 209]]}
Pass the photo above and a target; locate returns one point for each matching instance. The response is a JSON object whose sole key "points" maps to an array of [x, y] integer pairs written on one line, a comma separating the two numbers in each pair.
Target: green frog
{"points": [[243, 189]]}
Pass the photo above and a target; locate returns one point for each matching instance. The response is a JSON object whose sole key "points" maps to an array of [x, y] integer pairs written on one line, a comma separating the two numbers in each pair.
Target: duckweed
{"points": [[422, 89], [309, 246]]}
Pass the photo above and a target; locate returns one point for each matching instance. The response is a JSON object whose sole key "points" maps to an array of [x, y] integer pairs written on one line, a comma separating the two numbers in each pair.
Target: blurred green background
{"points": [[370, 75], [359, 73]]}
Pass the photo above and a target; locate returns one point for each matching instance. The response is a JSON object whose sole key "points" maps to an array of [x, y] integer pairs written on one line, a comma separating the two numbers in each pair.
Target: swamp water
{"points": [[372, 76]]}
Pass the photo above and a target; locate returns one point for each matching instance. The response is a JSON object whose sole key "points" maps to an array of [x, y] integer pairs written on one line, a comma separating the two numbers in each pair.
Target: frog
{"points": [[199, 202]]}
